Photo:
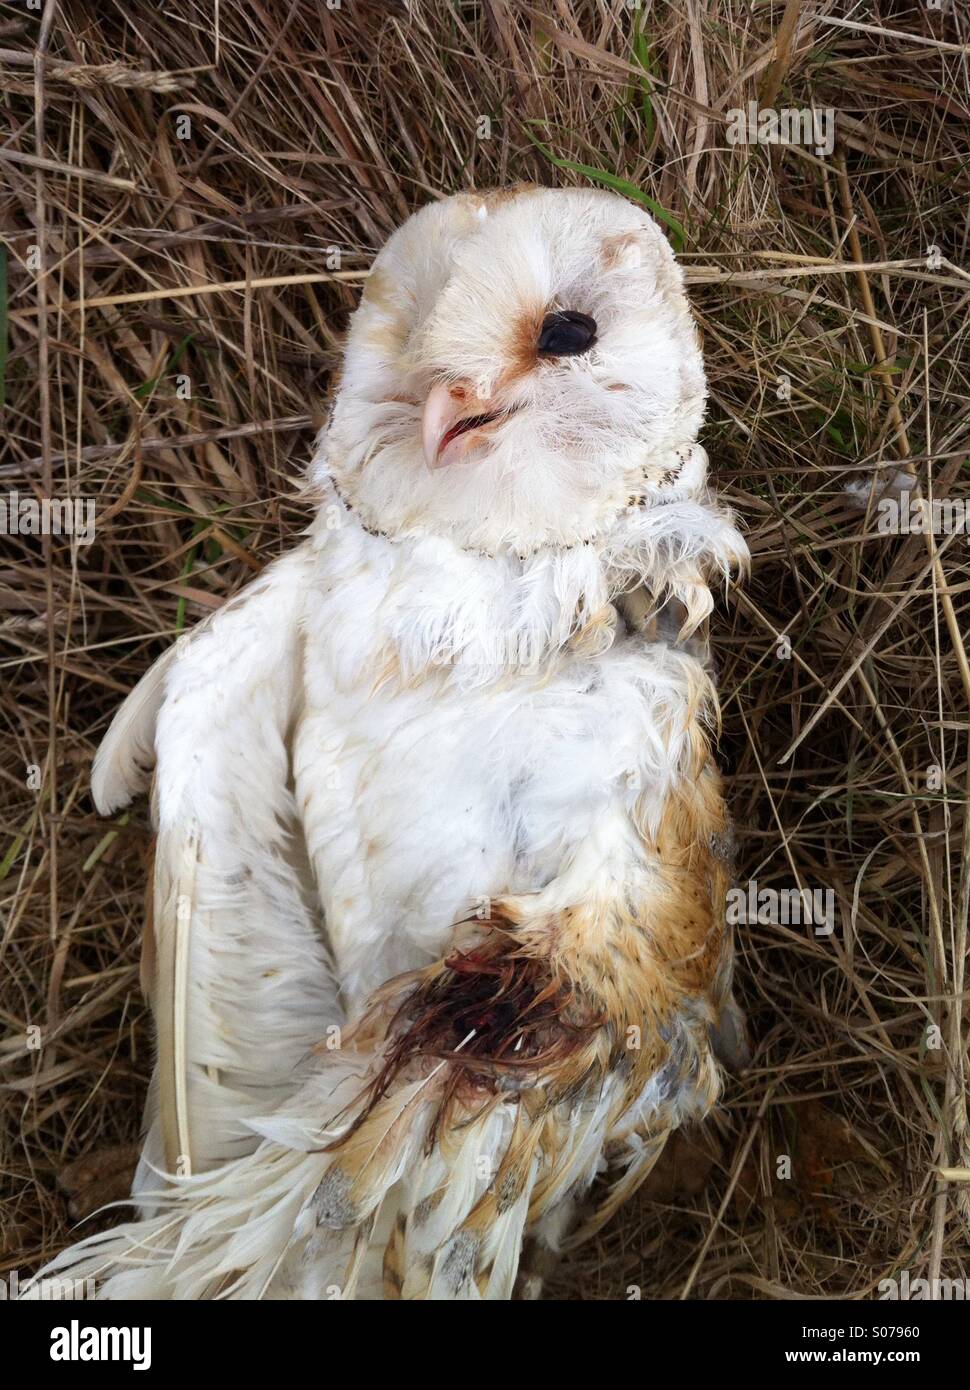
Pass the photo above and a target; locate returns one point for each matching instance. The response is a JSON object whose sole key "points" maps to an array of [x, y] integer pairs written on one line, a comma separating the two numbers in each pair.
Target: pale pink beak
{"points": [[454, 418]]}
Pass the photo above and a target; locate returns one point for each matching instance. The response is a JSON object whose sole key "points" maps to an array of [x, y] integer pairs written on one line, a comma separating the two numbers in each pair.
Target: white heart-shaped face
{"points": [[452, 417]]}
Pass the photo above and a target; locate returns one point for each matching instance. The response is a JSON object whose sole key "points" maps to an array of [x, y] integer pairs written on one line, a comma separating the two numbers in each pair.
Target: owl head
{"points": [[522, 370]]}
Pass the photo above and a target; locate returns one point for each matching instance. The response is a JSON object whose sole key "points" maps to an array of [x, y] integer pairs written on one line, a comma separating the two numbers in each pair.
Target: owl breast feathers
{"points": [[437, 956]]}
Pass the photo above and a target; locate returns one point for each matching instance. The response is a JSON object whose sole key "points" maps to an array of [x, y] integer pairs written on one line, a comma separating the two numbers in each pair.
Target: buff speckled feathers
{"points": [[438, 955]]}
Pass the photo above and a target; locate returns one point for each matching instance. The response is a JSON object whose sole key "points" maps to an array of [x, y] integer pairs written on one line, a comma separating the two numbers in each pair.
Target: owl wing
{"points": [[236, 964]]}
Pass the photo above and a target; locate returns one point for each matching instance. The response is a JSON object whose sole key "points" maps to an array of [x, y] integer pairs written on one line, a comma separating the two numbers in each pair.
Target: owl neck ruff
{"points": [[435, 603], [493, 507], [681, 474]]}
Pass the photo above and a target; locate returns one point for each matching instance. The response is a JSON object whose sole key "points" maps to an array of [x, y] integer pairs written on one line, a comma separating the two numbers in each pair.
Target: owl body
{"points": [[463, 735], [438, 956]]}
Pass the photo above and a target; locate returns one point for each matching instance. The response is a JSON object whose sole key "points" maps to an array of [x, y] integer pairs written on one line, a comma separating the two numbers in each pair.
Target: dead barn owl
{"points": [[439, 958]]}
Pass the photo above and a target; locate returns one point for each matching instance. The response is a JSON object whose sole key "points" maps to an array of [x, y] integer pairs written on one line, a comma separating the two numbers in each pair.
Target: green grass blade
{"points": [[641, 52], [620, 185]]}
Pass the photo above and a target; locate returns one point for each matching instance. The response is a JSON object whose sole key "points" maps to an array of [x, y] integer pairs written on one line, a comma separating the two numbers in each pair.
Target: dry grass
{"points": [[314, 128]]}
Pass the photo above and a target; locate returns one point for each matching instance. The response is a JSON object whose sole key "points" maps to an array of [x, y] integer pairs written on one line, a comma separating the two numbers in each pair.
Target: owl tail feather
{"points": [[410, 1165]]}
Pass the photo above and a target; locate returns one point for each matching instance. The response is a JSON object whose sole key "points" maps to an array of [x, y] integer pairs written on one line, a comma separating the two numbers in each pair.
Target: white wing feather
{"points": [[243, 986], [124, 762]]}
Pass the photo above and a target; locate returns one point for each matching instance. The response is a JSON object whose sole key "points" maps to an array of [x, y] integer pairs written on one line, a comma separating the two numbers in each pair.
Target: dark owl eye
{"points": [[566, 333]]}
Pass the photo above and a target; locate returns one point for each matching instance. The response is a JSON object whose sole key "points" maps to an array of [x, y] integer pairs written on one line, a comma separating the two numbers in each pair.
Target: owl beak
{"points": [[455, 417]]}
